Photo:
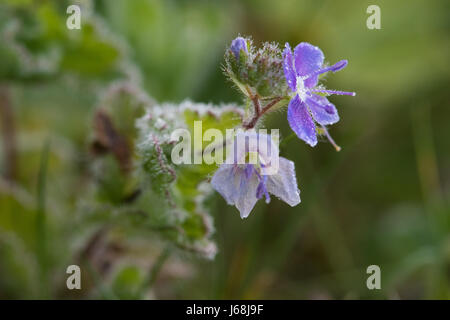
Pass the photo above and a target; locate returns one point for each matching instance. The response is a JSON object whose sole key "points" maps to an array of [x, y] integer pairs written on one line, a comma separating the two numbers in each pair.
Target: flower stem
{"points": [[271, 104], [258, 111]]}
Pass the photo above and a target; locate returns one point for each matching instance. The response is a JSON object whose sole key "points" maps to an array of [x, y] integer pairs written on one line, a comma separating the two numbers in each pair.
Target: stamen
{"points": [[341, 93], [262, 190], [331, 139]]}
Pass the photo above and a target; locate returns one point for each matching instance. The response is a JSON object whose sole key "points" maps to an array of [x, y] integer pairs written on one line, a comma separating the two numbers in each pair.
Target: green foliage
{"points": [[37, 45], [182, 185]]}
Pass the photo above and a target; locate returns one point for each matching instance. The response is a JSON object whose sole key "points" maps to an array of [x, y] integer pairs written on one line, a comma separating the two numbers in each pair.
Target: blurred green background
{"points": [[383, 200]]}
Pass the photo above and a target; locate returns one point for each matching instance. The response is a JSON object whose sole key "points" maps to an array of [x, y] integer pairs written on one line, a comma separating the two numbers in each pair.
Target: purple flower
{"points": [[237, 45], [243, 184], [307, 107]]}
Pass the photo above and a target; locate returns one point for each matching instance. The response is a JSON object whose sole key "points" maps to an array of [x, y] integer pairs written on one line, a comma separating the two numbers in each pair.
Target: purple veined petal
{"points": [[226, 181], [288, 66], [233, 185], [237, 45], [301, 122], [284, 184], [262, 190], [323, 111], [308, 59], [248, 171], [246, 200], [245, 176]]}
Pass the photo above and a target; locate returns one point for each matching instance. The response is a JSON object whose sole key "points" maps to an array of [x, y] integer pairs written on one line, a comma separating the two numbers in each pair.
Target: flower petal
{"points": [[323, 111], [284, 184], [246, 199], [308, 59], [226, 181], [301, 122], [289, 70], [236, 188]]}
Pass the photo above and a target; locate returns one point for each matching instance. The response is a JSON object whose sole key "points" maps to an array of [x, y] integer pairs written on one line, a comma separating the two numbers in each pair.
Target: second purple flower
{"points": [[309, 105]]}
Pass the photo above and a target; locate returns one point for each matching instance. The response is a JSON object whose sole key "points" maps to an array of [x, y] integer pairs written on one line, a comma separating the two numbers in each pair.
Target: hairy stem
{"points": [[271, 104], [258, 110]]}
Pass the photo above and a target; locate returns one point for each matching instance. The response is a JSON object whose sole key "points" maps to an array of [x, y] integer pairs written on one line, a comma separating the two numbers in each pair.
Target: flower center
{"points": [[301, 90]]}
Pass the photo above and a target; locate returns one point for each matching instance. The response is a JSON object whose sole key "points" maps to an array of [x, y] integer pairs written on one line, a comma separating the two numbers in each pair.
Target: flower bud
{"points": [[237, 45]]}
